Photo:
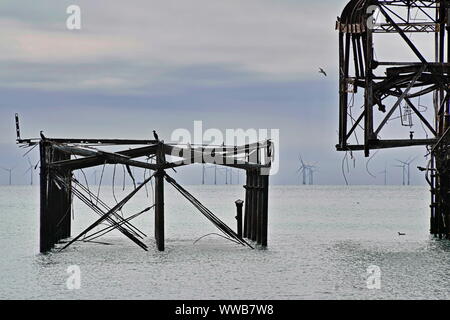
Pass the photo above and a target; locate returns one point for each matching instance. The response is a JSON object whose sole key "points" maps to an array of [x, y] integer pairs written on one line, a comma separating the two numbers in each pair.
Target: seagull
{"points": [[155, 135], [42, 135], [323, 72], [401, 234]]}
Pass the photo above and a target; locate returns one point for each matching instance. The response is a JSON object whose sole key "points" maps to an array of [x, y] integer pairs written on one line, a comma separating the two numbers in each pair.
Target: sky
{"points": [[161, 65]]}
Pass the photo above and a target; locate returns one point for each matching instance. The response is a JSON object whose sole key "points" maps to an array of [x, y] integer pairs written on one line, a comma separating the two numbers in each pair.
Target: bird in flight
{"points": [[401, 234], [155, 135], [323, 72]]}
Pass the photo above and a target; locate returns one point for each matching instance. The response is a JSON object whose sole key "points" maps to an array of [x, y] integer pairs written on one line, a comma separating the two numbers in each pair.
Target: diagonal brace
{"points": [[400, 99], [116, 208]]}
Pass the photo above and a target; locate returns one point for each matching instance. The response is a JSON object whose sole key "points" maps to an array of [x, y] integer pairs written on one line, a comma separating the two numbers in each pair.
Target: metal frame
{"points": [[378, 82], [60, 157]]}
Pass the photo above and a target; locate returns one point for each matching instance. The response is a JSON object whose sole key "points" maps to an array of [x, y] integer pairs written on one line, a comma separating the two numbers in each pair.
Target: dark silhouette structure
{"points": [[385, 86], [60, 158]]}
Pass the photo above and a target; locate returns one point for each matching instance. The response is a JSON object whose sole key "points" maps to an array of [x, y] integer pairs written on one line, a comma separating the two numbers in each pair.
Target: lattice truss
{"points": [[383, 98], [61, 158]]}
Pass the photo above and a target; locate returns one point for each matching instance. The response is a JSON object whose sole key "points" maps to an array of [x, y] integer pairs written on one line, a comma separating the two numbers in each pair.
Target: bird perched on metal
{"points": [[42, 135], [155, 135], [323, 72]]}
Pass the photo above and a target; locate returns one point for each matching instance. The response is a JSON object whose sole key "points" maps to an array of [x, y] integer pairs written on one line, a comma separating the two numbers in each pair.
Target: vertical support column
{"points": [[239, 205], [159, 210], [248, 200], [55, 200], [434, 178], [259, 196], [44, 219], [441, 54], [368, 98], [433, 206], [446, 20], [247, 205], [438, 196], [159, 200], [254, 219], [342, 94], [259, 212], [256, 235], [447, 102], [265, 211], [441, 219]]}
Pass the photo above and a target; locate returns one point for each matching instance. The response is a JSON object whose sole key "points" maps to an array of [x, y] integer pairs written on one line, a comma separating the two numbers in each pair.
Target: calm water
{"points": [[322, 239]]}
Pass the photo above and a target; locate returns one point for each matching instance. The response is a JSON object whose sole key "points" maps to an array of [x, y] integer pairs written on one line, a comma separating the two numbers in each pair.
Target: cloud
{"points": [[27, 44], [265, 40]]}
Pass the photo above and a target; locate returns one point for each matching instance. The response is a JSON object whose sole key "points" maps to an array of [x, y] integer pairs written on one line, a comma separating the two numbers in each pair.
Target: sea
{"points": [[325, 242]]}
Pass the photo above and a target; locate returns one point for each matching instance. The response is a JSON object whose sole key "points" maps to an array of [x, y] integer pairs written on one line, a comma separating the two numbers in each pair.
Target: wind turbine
{"points": [[205, 171], [311, 169], [407, 166], [307, 170], [303, 169], [403, 171], [227, 173], [9, 170], [385, 172], [30, 169]]}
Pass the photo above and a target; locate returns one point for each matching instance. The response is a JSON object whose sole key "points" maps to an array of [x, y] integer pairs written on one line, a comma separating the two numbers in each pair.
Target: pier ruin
{"points": [[60, 158], [398, 88]]}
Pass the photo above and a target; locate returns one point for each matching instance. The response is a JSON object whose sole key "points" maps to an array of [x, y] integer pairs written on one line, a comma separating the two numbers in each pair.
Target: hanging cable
{"points": [[124, 176], [114, 184], [216, 234], [367, 164], [101, 180], [343, 171]]}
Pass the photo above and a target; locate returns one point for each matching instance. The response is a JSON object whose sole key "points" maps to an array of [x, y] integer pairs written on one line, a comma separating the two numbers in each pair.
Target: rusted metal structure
{"points": [[60, 158], [385, 86]]}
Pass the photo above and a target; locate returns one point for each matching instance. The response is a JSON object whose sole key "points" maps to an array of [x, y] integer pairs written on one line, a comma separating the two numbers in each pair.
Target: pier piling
{"points": [[255, 204], [56, 201], [159, 200], [239, 206], [159, 210], [256, 207]]}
